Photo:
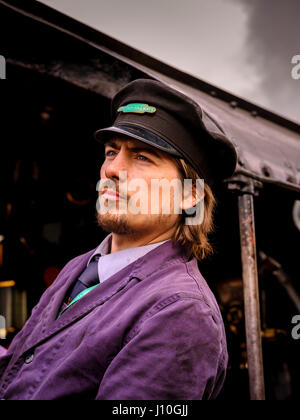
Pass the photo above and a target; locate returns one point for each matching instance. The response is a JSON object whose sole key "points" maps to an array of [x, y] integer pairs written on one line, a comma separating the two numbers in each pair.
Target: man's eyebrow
{"points": [[112, 144], [143, 148]]}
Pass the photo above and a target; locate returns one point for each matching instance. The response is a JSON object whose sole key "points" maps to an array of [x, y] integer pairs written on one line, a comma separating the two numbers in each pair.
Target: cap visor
{"points": [[137, 133]]}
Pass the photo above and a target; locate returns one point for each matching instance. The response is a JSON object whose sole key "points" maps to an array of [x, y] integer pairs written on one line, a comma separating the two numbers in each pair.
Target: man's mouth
{"points": [[111, 195]]}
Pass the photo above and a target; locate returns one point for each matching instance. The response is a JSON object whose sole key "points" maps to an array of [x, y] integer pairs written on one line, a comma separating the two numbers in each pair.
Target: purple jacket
{"points": [[152, 331]]}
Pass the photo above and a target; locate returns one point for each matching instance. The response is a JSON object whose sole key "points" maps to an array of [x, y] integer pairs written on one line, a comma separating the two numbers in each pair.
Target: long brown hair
{"points": [[195, 238]]}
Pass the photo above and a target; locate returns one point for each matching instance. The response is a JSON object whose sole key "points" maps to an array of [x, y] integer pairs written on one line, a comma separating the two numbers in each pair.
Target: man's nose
{"points": [[115, 166]]}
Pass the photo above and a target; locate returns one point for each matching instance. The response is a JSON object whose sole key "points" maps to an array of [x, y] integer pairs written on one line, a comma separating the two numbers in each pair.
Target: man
{"points": [[134, 319]]}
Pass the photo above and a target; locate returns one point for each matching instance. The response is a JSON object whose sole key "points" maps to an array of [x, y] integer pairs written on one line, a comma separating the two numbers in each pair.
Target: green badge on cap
{"points": [[137, 108]]}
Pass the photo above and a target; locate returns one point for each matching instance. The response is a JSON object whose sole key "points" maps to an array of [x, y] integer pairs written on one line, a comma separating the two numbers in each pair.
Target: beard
{"points": [[115, 223]]}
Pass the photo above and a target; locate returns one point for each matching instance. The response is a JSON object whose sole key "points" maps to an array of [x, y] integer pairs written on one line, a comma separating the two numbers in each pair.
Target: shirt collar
{"points": [[110, 264], [104, 247]]}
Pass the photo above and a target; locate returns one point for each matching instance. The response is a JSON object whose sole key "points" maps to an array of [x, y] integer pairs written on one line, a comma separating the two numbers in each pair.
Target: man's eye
{"points": [[107, 153], [143, 158], [111, 153]]}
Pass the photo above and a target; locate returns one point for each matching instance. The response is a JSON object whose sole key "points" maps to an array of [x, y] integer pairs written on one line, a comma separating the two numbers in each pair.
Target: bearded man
{"points": [[134, 319]]}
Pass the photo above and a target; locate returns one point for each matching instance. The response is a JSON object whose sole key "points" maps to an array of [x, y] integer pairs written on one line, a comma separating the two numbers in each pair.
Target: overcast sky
{"points": [[242, 46]]}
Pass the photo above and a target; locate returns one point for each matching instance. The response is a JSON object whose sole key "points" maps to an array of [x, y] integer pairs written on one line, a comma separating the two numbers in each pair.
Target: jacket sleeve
{"points": [[177, 353]]}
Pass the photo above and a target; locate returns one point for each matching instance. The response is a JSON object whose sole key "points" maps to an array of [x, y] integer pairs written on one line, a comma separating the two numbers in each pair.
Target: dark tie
{"points": [[88, 278]]}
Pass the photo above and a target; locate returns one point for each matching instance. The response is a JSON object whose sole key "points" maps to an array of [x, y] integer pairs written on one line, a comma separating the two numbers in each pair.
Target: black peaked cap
{"points": [[155, 113]]}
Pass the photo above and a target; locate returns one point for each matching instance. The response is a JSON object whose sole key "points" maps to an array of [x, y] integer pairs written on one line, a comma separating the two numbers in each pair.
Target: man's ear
{"points": [[192, 194]]}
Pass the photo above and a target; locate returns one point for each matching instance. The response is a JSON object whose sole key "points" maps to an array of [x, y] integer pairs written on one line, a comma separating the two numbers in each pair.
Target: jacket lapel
{"points": [[51, 324], [54, 297]]}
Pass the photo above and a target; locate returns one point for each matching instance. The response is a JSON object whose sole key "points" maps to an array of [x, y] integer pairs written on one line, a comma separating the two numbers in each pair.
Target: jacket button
{"points": [[29, 359]]}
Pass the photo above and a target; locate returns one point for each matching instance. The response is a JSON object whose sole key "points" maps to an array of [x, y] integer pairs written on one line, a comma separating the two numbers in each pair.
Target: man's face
{"points": [[136, 169]]}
